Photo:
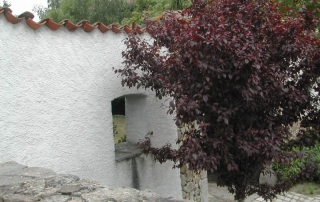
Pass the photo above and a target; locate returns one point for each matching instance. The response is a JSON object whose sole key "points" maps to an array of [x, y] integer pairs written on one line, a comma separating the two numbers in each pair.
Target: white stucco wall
{"points": [[56, 89]]}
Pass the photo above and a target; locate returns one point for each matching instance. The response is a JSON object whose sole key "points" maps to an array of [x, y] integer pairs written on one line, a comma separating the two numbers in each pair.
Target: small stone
{"points": [[33, 187], [198, 199], [183, 169], [189, 175], [18, 198], [48, 192], [69, 189], [197, 192], [186, 196], [56, 198], [189, 187], [191, 195], [76, 200], [183, 180], [196, 178], [77, 194], [60, 180]]}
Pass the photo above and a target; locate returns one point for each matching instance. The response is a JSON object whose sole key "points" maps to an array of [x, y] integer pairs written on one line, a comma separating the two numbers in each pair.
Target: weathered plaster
{"points": [[56, 90]]}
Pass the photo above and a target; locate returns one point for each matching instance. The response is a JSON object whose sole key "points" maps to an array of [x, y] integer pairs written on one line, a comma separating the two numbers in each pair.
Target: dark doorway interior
{"points": [[118, 106]]}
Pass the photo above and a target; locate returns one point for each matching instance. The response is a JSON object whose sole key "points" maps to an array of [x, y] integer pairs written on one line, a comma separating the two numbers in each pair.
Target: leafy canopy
{"points": [[108, 12], [153, 8], [291, 6], [239, 74], [5, 3], [294, 7]]}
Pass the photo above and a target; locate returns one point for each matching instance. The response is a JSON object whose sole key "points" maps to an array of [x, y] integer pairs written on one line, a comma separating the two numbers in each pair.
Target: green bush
{"points": [[306, 158]]}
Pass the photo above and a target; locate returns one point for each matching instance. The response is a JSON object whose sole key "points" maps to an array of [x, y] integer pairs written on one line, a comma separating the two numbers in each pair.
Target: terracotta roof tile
{"points": [[83, 24], [11, 18], [51, 24], [26, 15]]}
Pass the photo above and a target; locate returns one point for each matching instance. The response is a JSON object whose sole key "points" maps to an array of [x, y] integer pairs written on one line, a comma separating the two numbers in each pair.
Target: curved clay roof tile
{"points": [[69, 25], [51, 24], [84, 24], [34, 25], [26, 15], [115, 29], [103, 28], [11, 18], [127, 29]]}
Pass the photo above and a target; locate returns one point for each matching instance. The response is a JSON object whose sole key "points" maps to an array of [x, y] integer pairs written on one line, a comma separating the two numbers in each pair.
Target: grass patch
{"points": [[119, 128], [307, 188]]}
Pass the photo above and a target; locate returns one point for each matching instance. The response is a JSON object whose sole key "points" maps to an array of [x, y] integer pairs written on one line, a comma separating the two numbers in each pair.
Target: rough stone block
{"points": [[61, 188], [59, 180], [197, 191], [56, 198], [183, 180], [186, 196], [196, 178], [69, 189], [189, 175], [183, 169], [33, 187], [189, 187], [10, 167], [18, 198], [191, 195], [198, 199]]}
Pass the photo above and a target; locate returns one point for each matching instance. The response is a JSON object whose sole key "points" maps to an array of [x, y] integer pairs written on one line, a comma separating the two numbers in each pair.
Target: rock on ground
{"points": [[19, 183]]}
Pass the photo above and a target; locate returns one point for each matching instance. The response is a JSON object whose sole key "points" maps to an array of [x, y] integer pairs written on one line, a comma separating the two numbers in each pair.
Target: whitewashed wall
{"points": [[56, 89]]}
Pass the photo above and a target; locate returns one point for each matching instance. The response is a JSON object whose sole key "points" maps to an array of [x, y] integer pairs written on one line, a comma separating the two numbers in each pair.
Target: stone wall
{"points": [[194, 185], [19, 183]]}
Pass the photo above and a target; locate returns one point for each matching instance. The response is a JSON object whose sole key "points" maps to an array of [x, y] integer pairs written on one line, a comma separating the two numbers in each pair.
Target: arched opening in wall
{"points": [[130, 114], [119, 119], [130, 121], [137, 117]]}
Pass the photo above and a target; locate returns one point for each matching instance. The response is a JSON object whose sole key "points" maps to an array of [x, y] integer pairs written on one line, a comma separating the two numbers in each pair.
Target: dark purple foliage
{"points": [[243, 73]]}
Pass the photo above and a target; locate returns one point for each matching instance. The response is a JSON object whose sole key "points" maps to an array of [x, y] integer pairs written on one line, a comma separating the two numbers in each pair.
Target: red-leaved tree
{"points": [[239, 74]]}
